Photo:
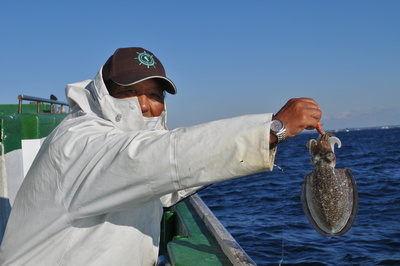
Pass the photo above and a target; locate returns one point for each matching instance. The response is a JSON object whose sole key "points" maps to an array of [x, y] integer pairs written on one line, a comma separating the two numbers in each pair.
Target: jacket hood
{"points": [[91, 97]]}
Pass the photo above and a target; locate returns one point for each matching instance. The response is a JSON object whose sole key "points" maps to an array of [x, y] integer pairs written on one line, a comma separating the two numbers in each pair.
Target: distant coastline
{"points": [[355, 129]]}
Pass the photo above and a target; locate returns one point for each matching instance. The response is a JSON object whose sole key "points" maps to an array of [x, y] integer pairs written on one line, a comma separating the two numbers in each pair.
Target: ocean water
{"points": [[264, 211]]}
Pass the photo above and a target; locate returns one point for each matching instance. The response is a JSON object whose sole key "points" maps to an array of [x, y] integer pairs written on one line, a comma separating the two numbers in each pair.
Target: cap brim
{"points": [[169, 86]]}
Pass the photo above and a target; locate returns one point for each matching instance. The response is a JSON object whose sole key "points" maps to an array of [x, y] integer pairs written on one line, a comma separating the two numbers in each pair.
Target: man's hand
{"points": [[299, 114]]}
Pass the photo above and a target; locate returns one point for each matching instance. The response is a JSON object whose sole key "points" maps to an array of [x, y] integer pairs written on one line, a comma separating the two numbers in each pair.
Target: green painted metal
{"points": [[8, 108], [26, 108], [192, 243], [36, 126], [167, 230], [10, 132], [15, 127]]}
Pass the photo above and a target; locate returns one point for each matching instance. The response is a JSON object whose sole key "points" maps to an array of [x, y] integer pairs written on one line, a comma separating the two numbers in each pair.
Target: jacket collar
{"points": [[125, 114]]}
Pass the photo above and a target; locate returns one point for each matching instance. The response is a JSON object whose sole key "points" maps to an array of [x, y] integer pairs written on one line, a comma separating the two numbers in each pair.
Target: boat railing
{"points": [[39, 101], [228, 244]]}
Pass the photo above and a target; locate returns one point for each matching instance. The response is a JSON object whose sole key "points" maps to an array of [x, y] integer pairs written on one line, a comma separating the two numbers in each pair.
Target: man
{"points": [[95, 192]]}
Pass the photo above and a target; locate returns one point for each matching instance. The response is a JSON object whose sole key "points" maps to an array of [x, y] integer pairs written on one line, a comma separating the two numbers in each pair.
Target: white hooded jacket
{"points": [[95, 192]]}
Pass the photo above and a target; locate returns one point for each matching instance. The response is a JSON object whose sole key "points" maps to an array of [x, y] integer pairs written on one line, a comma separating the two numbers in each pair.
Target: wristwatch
{"points": [[278, 129]]}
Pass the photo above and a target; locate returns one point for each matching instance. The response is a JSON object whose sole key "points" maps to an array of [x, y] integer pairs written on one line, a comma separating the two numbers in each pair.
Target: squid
{"points": [[329, 195]]}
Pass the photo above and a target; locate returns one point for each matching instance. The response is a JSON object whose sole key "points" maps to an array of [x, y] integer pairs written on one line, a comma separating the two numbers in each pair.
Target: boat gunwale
{"points": [[228, 244]]}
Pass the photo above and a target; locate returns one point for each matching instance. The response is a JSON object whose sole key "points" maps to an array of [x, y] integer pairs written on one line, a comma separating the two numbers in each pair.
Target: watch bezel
{"points": [[280, 134]]}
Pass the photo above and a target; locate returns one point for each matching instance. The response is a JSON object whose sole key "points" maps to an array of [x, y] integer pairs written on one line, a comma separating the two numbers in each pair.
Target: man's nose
{"points": [[144, 103]]}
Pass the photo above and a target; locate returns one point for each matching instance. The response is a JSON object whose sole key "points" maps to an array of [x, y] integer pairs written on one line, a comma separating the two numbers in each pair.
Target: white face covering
{"points": [[151, 122]]}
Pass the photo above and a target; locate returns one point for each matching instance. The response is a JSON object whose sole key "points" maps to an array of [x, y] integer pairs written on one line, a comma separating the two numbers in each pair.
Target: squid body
{"points": [[329, 196]]}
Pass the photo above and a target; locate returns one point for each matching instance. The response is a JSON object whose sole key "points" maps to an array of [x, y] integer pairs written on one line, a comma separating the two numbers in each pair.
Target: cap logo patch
{"points": [[146, 59]]}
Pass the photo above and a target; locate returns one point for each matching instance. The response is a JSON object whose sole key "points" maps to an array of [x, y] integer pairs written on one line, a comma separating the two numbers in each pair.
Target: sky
{"points": [[227, 58]]}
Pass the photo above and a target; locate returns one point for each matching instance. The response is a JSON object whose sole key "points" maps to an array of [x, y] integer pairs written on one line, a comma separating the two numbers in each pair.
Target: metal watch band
{"points": [[281, 137]]}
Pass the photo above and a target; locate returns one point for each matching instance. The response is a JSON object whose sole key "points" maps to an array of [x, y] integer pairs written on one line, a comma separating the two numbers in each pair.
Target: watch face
{"points": [[276, 125]]}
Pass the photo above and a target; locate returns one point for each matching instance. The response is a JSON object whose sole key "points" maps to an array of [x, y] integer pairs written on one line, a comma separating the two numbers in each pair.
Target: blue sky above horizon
{"points": [[227, 58]]}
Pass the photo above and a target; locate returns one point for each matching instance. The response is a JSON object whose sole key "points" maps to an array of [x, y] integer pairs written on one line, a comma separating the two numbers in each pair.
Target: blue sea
{"points": [[264, 213]]}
